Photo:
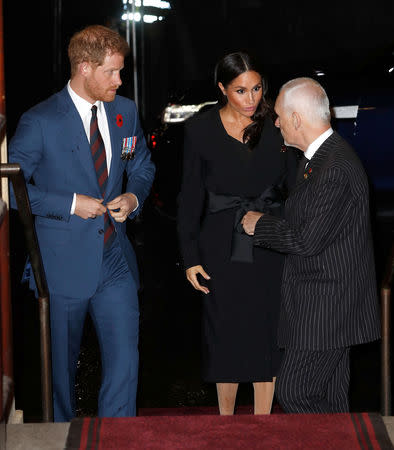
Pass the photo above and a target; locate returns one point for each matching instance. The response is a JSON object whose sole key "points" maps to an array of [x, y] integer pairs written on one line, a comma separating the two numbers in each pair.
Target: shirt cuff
{"points": [[137, 204], [73, 204]]}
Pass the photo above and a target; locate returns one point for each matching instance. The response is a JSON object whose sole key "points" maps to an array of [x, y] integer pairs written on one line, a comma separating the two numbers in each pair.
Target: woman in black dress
{"points": [[232, 154]]}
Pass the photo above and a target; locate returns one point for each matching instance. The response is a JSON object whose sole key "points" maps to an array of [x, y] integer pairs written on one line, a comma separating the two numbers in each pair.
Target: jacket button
{"points": [[101, 231]]}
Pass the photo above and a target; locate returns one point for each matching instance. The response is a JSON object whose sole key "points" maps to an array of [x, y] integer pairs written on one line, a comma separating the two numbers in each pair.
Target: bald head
{"points": [[303, 112], [307, 97]]}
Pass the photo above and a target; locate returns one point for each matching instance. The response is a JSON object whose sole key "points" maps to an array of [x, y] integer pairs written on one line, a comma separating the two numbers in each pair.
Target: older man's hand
{"points": [[249, 221]]}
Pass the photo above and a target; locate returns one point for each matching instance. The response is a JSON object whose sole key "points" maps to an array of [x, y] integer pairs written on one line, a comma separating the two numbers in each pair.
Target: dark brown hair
{"points": [[93, 44], [229, 68]]}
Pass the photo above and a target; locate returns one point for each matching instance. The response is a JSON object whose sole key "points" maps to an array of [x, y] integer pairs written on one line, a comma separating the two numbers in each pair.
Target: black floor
{"points": [[169, 332]]}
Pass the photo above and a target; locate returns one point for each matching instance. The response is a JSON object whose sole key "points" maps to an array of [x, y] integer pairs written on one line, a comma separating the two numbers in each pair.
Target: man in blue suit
{"points": [[74, 149]]}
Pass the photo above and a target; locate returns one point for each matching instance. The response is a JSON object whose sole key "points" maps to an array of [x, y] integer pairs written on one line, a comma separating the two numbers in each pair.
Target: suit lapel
{"points": [[115, 145], [79, 140], [314, 166]]}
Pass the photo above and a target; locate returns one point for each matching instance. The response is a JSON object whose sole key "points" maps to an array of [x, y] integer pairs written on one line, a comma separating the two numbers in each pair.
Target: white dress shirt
{"points": [[84, 109], [314, 146]]}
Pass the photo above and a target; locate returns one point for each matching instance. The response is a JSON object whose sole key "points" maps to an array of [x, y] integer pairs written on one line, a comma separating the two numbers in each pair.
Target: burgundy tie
{"points": [[100, 164]]}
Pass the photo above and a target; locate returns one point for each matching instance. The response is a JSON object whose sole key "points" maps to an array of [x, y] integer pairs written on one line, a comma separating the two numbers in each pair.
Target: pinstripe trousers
{"points": [[314, 381]]}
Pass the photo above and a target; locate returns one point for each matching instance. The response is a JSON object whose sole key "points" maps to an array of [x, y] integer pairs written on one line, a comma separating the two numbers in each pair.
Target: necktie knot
{"points": [[301, 168], [94, 111]]}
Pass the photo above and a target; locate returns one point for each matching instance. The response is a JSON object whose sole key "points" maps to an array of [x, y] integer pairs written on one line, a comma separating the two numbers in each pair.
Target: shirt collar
{"points": [[314, 146], [83, 106]]}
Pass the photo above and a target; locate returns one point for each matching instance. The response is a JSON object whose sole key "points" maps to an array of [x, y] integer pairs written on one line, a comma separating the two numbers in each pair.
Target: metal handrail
{"points": [[385, 293], [6, 378], [15, 174]]}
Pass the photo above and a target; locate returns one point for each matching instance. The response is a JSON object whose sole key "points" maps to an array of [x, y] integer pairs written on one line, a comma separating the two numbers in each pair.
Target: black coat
{"points": [[240, 314]]}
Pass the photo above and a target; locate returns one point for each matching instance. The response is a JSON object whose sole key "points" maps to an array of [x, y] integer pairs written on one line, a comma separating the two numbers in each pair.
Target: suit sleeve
{"points": [[327, 212], [190, 200], [140, 170], [27, 149]]}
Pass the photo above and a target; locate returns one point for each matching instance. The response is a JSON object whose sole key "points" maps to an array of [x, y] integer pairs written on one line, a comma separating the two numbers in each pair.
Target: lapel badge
{"points": [[305, 176], [119, 120], [128, 147], [283, 148], [310, 170]]}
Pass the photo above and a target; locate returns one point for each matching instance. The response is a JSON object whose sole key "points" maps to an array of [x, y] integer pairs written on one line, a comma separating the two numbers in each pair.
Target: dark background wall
{"points": [[183, 49]]}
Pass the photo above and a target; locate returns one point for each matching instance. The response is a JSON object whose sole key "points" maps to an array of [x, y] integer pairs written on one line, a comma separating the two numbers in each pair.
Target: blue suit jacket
{"points": [[51, 146]]}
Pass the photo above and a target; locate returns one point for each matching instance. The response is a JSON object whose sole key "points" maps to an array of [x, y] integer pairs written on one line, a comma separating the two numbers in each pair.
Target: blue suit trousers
{"points": [[115, 313]]}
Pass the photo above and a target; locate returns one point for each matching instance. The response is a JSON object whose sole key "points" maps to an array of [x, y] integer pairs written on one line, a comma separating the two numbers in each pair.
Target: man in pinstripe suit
{"points": [[329, 295]]}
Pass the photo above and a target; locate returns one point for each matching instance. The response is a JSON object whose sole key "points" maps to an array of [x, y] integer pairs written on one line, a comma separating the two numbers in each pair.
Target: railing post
{"points": [[386, 360], [14, 172], [46, 367], [6, 366], [385, 294]]}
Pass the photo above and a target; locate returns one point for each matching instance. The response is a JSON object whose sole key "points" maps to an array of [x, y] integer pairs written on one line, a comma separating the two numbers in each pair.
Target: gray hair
{"points": [[307, 96]]}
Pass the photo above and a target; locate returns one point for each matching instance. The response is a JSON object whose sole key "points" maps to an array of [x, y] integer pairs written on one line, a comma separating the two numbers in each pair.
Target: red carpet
{"points": [[278, 431]]}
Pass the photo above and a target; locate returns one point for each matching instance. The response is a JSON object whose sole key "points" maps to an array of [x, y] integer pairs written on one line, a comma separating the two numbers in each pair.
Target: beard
{"points": [[96, 92]]}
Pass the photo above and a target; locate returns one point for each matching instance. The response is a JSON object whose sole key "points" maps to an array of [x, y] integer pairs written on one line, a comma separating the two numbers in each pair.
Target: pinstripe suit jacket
{"points": [[329, 292]]}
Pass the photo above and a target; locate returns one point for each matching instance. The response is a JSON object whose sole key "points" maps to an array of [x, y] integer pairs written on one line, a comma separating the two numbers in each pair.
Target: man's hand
{"points": [[88, 207], [120, 207], [249, 221], [191, 275]]}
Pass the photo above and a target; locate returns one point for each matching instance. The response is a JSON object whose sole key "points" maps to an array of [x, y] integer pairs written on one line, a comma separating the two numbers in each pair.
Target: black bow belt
{"points": [[270, 201]]}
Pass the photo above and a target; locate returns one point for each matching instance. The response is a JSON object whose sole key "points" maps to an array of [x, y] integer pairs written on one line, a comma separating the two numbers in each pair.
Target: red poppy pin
{"points": [[283, 148], [310, 170], [119, 120]]}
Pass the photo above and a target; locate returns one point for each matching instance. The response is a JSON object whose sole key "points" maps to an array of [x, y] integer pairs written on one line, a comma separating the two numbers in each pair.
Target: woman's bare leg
{"points": [[263, 396], [227, 393]]}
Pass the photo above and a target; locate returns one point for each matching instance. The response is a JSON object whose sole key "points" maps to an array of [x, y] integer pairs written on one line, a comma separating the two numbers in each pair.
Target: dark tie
{"points": [[100, 164], [301, 168]]}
